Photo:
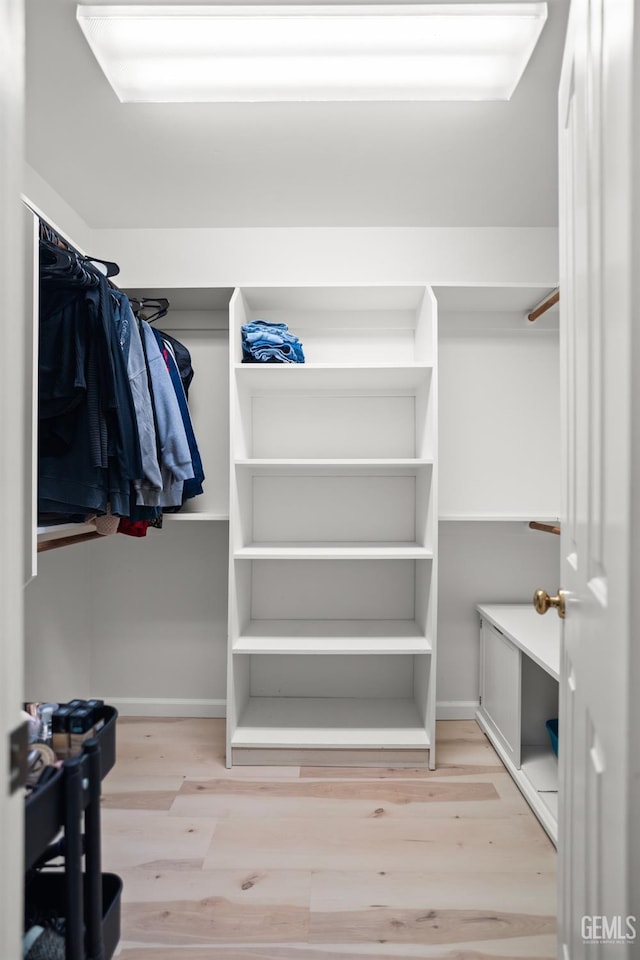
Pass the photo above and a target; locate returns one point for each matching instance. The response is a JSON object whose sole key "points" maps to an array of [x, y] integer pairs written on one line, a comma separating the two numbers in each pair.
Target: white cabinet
{"points": [[333, 532], [519, 667]]}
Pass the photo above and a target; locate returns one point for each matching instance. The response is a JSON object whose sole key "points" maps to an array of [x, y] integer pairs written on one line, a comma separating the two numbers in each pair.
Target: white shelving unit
{"points": [[333, 532], [519, 670]]}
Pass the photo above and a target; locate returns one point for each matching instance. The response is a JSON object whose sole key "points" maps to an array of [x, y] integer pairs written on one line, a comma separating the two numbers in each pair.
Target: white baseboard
{"points": [[167, 707], [170, 707], [456, 709]]}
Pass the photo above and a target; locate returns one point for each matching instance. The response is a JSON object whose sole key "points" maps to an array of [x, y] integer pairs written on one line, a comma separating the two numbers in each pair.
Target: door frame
{"points": [[12, 462]]}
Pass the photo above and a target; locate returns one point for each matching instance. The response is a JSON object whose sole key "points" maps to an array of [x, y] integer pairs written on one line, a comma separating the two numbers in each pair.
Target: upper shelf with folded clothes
{"points": [[352, 325]]}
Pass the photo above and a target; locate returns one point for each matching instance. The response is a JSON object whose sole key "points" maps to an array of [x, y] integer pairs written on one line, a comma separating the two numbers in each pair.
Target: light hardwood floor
{"points": [[305, 863]]}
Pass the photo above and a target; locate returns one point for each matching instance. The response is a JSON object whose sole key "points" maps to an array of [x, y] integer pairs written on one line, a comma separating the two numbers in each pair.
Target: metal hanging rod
{"points": [[549, 301], [545, 527]]}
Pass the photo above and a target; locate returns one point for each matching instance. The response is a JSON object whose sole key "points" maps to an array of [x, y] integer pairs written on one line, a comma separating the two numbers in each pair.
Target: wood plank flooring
{"points": [[322, 863]]}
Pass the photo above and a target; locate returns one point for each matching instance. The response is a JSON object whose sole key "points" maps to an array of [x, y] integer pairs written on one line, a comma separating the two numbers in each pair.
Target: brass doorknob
{"points": [[543, 602]]}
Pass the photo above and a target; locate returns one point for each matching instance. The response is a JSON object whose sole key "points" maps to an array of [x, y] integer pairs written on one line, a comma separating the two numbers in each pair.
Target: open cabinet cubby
{"points": [[349, 606], [519, 672], [322, 506], [333, 528]]}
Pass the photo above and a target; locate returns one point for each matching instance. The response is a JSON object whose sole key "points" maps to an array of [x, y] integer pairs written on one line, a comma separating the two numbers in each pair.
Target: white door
{"points": [[12, 432], [598, 739]]}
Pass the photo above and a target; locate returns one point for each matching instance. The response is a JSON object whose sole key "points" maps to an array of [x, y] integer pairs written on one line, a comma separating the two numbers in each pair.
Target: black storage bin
{"points": [[43, 818], [45, 894], [44, 808], [88, 900], [107, 739]]}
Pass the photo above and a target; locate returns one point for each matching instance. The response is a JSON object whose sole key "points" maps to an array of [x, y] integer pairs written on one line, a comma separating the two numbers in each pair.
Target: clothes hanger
{"points": [[64, 262], [55, 243], [107, 267], [159, 306]]}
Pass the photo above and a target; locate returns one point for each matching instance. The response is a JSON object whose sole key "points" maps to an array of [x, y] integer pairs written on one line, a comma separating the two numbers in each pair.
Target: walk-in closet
{"points": [[318, 714]]}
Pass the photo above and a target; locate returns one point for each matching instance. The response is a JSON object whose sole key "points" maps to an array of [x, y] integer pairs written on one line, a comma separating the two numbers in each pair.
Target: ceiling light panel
{"points": [[468, 51]]}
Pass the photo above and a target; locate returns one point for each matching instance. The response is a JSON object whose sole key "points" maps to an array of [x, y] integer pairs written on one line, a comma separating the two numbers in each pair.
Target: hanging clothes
{"points": [[193, 485], [149, 488], [183, 360], [88, 437], [116, 439], [174, 454]]}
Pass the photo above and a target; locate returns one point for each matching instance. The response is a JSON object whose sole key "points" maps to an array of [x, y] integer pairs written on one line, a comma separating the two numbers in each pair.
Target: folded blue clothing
{"points": [[266, 341], [269, 353], [264, 325]]}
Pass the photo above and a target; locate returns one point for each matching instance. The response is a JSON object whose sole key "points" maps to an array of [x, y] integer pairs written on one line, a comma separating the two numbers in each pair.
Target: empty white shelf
{"points": [[333, 551], [496, 518], [352, 467], [330, 723], [539, 764], [550, 800], [332, 636], [281, 378], [196, 516]]}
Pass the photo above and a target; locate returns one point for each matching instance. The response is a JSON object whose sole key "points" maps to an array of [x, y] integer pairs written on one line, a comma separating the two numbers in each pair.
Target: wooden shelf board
{"points": [[332, 637], [333, 551], [538, 637], [331, 723]]}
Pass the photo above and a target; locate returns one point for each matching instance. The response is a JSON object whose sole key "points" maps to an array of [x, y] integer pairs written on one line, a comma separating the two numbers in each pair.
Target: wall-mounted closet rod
{"points": [[549, 301], [545, 527], [67, 541]]}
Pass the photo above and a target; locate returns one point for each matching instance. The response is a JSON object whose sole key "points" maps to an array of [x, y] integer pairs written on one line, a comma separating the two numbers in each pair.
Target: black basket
{"points": [[44, 807], [43, 817], [106, 737], [45, 896]]}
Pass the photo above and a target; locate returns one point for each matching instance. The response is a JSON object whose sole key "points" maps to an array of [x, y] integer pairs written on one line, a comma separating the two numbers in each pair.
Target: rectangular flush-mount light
{"points": [[459, 51]]}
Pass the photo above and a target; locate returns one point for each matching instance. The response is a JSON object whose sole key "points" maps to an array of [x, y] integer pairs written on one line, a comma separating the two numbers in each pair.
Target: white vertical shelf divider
{"points": [[333, 529]]}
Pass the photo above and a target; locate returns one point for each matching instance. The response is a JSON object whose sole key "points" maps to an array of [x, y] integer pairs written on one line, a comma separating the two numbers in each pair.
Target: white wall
{"points": [[140, 623], [499, 454], [499, 397], [482, 563], [58, 625], [233, 257], [228, 257], [159, 613], [49, 204]]}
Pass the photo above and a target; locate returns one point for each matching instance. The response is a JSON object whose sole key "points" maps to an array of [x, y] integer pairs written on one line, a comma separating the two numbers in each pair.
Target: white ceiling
{"points": [[267, 165]]}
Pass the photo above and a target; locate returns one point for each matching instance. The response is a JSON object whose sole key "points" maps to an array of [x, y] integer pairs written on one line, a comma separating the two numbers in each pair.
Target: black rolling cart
{"points": [[87, 899]]}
